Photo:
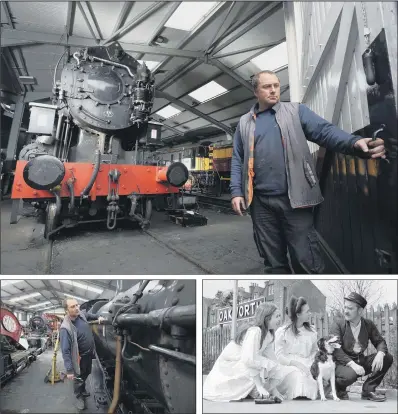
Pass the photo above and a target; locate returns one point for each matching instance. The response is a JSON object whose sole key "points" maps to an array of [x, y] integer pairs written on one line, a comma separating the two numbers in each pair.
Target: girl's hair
{"points": [[295, 307], [261, 319]]}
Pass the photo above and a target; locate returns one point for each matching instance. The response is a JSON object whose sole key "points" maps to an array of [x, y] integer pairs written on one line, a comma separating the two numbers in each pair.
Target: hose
{"points": [[69, 183], [87, 189], [118, 374]]}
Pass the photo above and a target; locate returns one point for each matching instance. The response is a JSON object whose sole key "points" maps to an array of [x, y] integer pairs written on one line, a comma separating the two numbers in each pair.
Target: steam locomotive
{"points": [[87, 162], [15, 353], [145, 352]]}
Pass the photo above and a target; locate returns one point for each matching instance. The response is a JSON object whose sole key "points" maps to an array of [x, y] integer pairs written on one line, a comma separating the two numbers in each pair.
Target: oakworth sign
{"points": [[245, 310]]}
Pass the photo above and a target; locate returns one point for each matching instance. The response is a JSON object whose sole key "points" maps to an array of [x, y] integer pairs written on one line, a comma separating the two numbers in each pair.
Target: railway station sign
{"points": [[245, 310]]}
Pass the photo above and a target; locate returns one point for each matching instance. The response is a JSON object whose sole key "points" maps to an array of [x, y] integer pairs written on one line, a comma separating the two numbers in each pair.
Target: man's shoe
{"points": [[373, 396], [80, 404], [85, 394], [343, 395]]}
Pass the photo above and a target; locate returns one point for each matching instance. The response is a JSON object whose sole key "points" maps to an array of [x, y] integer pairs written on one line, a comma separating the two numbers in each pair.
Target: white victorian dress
{"points": [[302, 348], [232, 376]]}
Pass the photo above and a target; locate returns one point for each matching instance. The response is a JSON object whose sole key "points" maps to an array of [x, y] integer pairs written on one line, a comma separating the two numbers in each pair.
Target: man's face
{"points": [[73, 308], [351, 310], [268, 90]]}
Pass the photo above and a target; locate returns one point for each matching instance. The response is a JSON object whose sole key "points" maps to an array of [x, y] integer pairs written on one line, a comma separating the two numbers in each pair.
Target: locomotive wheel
{"points": [[51, 219]]}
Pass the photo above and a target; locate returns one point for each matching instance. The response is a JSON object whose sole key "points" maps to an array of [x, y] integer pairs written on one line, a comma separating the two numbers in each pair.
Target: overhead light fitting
{"points": [[39, 304], [82, 286], [207, 92], [168, 111], [75, 297]]}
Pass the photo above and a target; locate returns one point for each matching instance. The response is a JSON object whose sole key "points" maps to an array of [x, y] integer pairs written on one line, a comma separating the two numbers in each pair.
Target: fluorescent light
{"points": [[31, 295], [49, 307], [208, 91], [272, 59], [188, 14], [39, 304], [168, 111], [81, 285], [150, 64], [75, 297], [9, 282]]}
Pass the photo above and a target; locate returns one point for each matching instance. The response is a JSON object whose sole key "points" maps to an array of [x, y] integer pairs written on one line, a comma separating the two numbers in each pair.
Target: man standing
{"points": [[354, 333], [273, 174], [77, 340]]}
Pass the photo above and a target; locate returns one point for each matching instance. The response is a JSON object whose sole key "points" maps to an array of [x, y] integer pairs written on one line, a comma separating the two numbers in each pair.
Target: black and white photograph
{"points": [[231, 137], [304, 346], [98, 346]]}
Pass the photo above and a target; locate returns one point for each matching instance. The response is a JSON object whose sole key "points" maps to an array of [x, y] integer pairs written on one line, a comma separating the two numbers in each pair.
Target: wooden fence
{"points": [[217, 337]]}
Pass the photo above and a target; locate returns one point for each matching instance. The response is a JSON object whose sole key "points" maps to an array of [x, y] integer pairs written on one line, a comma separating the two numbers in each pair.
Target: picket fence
{"points": [[217, 337]]}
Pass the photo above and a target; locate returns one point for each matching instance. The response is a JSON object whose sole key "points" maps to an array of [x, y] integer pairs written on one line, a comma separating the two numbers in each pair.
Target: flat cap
{"points": [[357, 298]]}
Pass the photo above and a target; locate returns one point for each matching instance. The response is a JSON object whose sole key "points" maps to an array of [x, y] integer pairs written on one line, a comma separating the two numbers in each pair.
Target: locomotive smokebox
{"points": [[44, 172]]}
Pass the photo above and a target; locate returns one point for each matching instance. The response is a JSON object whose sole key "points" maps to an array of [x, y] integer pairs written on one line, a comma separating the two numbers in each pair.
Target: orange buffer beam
{"points": [[138, 179]]}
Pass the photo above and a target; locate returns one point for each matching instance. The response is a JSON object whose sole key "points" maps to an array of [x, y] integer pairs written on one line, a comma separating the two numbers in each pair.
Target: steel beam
{"points": [[10, 35], [250, 49], [37, 96], [160, 26], [246, 27], [231, 73], [228, 14], [15, 127], [70, 19], [87, 21], [306, 34], [185, 106], [237, 22], [94, 19], [178, 72], [171, 128], [123, 15], [196, 30], [134, 22]]}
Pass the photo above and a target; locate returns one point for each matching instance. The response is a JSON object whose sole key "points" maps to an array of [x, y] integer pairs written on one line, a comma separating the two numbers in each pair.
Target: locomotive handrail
{"points": [[180, 356]]}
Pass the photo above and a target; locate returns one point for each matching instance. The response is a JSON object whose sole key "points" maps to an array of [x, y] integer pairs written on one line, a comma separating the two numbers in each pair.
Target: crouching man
{"points": [[354, 333], [77, 340]]}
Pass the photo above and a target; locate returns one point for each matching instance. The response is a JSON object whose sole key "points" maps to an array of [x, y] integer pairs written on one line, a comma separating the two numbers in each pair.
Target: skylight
{"points": [[31, 295], [188, 14], [82, 286], [272, 59], [207, 92], [9, 282], [150, 64], [168, 111], [39, 304], [75, 297]]}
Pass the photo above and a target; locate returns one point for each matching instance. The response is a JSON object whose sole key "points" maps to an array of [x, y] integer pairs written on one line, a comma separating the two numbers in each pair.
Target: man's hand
{"points": [[377, 364], [70, 376], [237, 204], [357, 368], [374, 148], [100, 319]]}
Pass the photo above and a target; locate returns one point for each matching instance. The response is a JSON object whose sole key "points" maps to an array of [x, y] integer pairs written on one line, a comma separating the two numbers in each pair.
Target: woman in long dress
{"points": [[296, 346], [248, 365]]}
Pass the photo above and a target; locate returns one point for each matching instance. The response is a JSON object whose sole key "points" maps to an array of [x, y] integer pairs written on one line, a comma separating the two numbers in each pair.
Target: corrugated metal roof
{"points": [[85, 21]]}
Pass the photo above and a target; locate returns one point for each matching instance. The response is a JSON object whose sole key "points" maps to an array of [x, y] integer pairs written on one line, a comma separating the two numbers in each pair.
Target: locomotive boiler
{"points": [[146, 349], [87, 160]]}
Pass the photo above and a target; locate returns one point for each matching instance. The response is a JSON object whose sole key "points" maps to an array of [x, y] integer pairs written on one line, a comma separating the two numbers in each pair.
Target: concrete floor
{"points": [[354, 405], [224, 246], [28, 393]]}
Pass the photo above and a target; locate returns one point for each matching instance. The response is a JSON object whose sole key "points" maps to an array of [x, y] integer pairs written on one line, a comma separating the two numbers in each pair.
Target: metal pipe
{"points": [[184, 316], [66, 140], [58, 203], [118, 375], [69, 184], [90, 184], [58, 133], [180, 356]]}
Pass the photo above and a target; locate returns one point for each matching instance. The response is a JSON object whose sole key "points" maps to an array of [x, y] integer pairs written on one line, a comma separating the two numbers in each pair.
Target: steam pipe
{"points": [[69, 183], [58, 203], [118, 374], [57, 134], [184, 316], [90, 184], [180, 356]]}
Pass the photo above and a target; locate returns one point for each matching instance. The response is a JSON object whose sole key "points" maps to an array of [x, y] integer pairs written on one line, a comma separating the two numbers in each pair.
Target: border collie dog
{"points": [[323, 367]]}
